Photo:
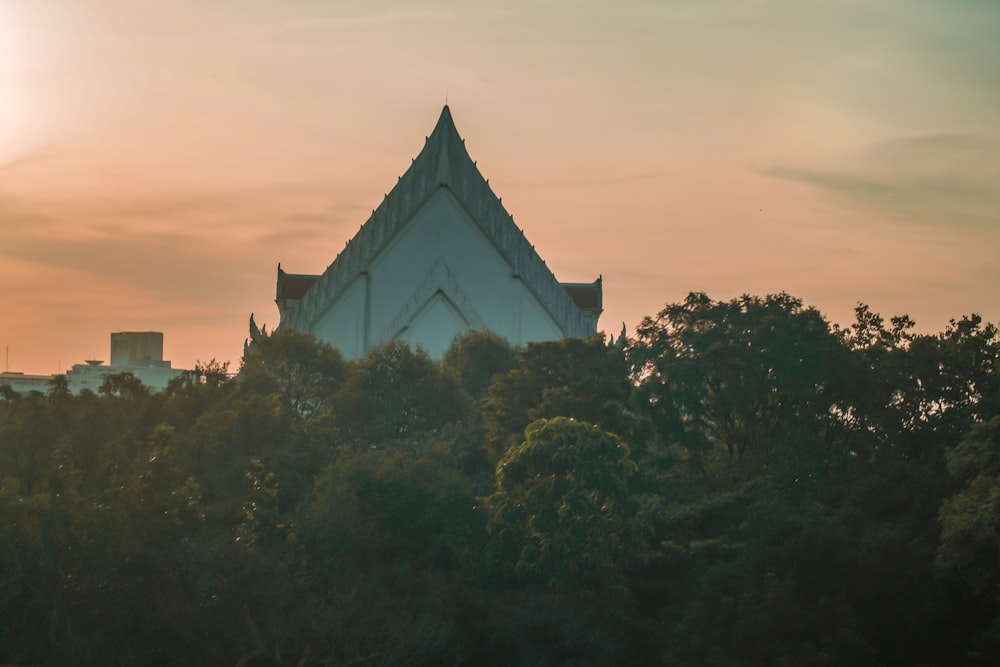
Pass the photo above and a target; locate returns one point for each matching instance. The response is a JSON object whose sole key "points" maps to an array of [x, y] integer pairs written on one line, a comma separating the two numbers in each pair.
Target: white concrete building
{"points": [[23, 383], [137, 352], [439, 256]]}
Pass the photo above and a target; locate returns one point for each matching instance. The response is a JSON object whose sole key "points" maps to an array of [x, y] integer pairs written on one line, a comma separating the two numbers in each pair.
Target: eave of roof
{"points": [[586, 296], [293, 286]]}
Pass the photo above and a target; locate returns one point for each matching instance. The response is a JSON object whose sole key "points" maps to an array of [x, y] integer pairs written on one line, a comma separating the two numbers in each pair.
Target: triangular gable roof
{"points": [[443, 162]]}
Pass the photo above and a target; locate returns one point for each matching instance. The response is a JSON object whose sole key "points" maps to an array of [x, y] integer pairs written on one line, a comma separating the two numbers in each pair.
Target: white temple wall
{"points": [[534, 324], [440, 276], [440, 229], [434, 326], [343, 323]]}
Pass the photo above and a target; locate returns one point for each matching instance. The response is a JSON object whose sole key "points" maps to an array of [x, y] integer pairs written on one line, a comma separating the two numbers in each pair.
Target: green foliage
{"points": [[476, 357], [970, 520], [392, 542], [395, 504], [921, 392], [562, 514], [300, 370], [124, 385], [59, 389], [837, 502], [394, 393], [759, 379], [578, 378]]}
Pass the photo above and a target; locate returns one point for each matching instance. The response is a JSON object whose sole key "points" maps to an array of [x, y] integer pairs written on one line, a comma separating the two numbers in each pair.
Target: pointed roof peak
{"points": [[444, 162], [445, 124], [444, 151]]}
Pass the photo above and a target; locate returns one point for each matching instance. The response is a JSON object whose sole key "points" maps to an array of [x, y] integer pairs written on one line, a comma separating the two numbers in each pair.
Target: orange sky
{"points": [[158, 158]]}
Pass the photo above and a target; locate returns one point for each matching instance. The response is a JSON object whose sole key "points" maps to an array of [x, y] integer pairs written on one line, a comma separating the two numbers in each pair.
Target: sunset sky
{"points": [[158, 158]]}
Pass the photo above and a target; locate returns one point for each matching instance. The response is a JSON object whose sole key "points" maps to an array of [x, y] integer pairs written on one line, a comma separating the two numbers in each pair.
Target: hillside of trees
{"points": [[740, 484]]}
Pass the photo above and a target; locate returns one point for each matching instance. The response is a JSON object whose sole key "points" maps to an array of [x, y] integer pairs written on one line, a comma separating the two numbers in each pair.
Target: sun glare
{"points": [[14, 65]]}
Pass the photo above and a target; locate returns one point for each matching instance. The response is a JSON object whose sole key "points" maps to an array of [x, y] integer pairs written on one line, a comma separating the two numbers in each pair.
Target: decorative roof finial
{"points": [[622, 337]]}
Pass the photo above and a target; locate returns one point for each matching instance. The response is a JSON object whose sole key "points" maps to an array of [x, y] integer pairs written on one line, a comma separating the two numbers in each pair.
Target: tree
{"points": [[921, 392], [196, 391], [28, 437], [394, 393], [392, 542], [476, 357], [59, 389], [970, 520], [564, 536], [953, 380], [123, 385], [220, 446], [580, 378], [969, 551], [302, 371], [562, 511], [761, 379]]}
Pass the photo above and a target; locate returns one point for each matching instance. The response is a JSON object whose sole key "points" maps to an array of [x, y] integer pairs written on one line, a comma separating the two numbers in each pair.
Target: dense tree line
{"points": [[740, 484]]}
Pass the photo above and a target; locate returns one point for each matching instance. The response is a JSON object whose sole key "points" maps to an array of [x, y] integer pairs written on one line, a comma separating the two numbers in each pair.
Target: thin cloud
{"points": [[944, 178], [363, 18], [26, 159], [587, 183], [175, 247]]}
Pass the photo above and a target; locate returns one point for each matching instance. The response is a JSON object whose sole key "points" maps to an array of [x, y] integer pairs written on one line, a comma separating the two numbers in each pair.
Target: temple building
{"points": [[439, 256]]}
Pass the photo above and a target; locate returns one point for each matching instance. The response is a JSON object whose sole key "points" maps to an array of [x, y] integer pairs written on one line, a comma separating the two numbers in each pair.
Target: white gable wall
{"points": [[434, 325], [439, 276], [530, 320], [342, 324]]}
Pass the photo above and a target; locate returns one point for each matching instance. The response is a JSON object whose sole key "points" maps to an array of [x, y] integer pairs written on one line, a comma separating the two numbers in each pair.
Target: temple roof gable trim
{"points": [[443, 162]]}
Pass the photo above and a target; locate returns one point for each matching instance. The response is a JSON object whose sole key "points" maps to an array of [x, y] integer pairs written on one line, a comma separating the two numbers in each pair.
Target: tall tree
{"points": [[396, 393], [580, 378], [760, 379], [302, 371], [476, 357], [969, 551], [562, 511]]}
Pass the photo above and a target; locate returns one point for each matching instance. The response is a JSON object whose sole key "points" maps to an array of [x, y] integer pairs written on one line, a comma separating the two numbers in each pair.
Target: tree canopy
{"points": [[740, 484]]}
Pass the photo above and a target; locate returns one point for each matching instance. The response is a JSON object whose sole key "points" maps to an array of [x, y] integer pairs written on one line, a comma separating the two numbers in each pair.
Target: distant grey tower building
{"points": [[439, 256]]}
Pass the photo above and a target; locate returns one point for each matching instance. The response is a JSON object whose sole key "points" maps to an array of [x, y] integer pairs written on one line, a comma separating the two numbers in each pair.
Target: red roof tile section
{"points": [[294, 287], [586, 297]]}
